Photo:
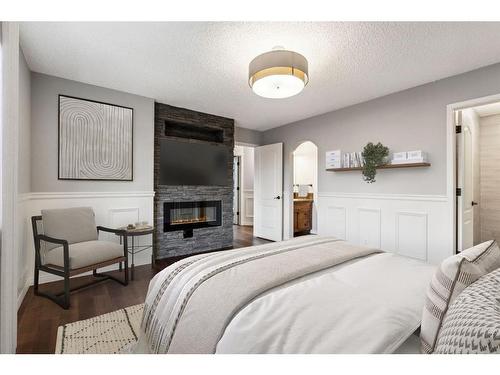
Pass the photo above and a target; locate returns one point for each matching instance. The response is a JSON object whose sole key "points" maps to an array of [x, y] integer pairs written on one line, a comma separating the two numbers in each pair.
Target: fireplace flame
{"points": [[190, 220]]}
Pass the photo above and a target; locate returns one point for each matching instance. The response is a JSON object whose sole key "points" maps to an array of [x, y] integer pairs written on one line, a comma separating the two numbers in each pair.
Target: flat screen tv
{"points": [[184, 163]]}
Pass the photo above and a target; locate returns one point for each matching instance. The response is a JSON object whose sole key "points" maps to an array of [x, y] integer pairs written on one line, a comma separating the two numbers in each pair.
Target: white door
{"points": [[465, 182], [268, 192]]}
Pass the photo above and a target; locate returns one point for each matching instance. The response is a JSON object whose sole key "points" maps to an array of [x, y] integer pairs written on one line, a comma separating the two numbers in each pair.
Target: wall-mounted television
{"points": [[185, 163]]}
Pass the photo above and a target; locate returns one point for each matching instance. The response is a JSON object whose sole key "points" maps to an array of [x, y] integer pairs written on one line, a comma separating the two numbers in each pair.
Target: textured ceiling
{"points": [[203, 66]]}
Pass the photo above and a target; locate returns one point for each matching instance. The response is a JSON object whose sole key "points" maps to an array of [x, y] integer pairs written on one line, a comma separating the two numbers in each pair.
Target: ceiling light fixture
{"points": [[278, 74]]}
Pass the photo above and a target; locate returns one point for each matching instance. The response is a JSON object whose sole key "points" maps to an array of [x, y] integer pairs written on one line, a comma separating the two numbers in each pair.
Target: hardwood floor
{"points": [[39, 318], [243, 237]]}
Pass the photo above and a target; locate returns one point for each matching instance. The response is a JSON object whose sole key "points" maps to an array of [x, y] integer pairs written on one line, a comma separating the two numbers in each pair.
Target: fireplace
{"points": [[187, 232], [187, 216]]}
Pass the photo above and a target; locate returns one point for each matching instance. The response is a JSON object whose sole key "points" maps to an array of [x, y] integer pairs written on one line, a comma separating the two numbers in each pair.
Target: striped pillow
{"points": [[454, 275]]}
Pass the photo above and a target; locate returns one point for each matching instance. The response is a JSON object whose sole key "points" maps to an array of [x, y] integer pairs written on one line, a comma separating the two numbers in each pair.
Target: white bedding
{"points": [[367, 305]]}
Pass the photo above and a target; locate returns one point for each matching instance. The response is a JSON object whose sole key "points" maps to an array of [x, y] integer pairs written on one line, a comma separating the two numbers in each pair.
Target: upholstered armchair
{"points": [[67, 244]]}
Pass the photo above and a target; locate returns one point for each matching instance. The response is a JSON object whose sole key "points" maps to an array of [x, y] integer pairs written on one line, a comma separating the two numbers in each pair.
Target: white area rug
{"points": [[104, 334]]}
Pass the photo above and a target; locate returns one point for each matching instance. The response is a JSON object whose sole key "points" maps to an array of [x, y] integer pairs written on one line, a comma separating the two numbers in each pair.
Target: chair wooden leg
{"points": [[67, 291], [126, 272], [36, 280]]}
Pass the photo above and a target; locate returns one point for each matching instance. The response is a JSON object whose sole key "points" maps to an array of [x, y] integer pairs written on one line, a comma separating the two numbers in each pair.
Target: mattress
{"points": [[368, 305]]}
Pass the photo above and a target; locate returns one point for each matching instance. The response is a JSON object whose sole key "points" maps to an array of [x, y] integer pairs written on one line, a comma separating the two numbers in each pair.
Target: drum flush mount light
{"points": [[278, 74]]}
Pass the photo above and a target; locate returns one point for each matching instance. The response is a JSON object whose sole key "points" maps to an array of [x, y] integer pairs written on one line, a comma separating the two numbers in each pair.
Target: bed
{"points": [[311, 294]]}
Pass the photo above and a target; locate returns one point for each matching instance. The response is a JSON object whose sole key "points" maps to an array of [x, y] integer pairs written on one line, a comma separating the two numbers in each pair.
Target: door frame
{"points": [[290, 201], [461, 179], [243, 171], [9, 215], [288, 150], [451, 165], [237, 165]]}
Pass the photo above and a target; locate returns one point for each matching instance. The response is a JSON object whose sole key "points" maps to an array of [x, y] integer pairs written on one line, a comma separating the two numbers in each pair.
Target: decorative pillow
{"points": [[472, 323], [454, 275]]}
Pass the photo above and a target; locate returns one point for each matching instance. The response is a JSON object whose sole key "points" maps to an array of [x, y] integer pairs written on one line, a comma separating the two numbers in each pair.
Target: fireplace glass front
{"points": [[191, 215]]}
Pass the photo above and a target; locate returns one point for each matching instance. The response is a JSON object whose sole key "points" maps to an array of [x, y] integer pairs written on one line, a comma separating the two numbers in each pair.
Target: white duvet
{"points": [[368, 305]]}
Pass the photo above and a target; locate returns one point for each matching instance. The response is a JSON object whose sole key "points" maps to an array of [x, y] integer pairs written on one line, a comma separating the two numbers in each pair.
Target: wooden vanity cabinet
{"points": [[302, 216]]}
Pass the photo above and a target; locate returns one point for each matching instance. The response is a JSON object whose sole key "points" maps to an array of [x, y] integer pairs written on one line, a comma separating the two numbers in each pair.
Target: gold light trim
{"points": [[279, 70]]}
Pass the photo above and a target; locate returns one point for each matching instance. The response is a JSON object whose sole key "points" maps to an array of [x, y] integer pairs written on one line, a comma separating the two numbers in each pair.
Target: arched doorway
{"points": [[305, 188]]}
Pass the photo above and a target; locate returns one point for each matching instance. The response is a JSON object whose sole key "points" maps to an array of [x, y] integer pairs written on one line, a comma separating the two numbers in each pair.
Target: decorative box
{"points": [[333, 159], [397, 156], [416, 155]]}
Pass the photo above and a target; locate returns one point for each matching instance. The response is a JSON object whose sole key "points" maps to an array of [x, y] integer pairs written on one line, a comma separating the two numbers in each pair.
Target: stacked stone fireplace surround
{"points": [[174, 244]]}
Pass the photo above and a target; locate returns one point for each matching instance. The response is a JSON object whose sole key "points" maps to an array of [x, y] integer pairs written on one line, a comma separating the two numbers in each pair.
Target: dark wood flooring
{"points": [[39, 318]]}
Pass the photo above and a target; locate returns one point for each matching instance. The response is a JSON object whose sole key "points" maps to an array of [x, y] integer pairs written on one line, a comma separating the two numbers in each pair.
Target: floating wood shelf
{"points": [[386, 166]]}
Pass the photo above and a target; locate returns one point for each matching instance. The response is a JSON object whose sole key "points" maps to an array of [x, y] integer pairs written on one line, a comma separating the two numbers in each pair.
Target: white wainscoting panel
{"points": [[25, 238], [112, 209], [247, 207], [335, 222], [411, 234], [369, 227], [416, 226], [122, 216]]}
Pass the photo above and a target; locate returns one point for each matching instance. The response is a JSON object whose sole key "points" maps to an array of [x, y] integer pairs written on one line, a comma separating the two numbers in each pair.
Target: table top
{"points": [[138, 231]]}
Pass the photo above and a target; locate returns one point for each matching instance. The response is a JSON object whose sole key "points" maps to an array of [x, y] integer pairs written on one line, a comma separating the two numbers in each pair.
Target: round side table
{"points": [[132, 248]]}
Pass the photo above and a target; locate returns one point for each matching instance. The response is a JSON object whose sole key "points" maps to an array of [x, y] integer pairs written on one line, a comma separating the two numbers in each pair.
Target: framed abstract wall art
{"points": [[95, 140]]}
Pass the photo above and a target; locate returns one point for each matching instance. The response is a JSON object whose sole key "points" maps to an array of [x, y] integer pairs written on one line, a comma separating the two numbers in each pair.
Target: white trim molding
{"points": [[100, 194], [399, 197], [10, 207]]}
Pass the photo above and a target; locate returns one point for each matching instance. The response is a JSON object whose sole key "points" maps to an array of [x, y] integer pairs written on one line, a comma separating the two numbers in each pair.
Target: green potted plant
{"points": [[373, 156]]}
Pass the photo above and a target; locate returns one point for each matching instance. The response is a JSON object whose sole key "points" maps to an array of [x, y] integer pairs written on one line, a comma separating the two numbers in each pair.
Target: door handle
{"points": [[277, 197], [474, 203]]}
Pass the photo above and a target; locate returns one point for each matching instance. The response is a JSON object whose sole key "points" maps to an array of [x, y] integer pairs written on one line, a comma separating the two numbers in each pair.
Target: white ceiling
{"points": [[203, 66]]}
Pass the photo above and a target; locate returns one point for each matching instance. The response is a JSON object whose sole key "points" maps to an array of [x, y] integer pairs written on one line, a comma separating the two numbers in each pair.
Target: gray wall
{"points": [[24, 176], [413, 119], [44, 110], [243, 135]]}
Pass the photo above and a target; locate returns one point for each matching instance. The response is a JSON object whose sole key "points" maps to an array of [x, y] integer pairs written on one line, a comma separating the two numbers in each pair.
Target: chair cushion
{"points": [[454, 275], [83, 254], [74, 225]]}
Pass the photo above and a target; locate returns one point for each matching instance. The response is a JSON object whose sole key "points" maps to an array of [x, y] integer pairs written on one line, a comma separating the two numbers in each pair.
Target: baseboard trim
{"points": [[22, 293]]}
